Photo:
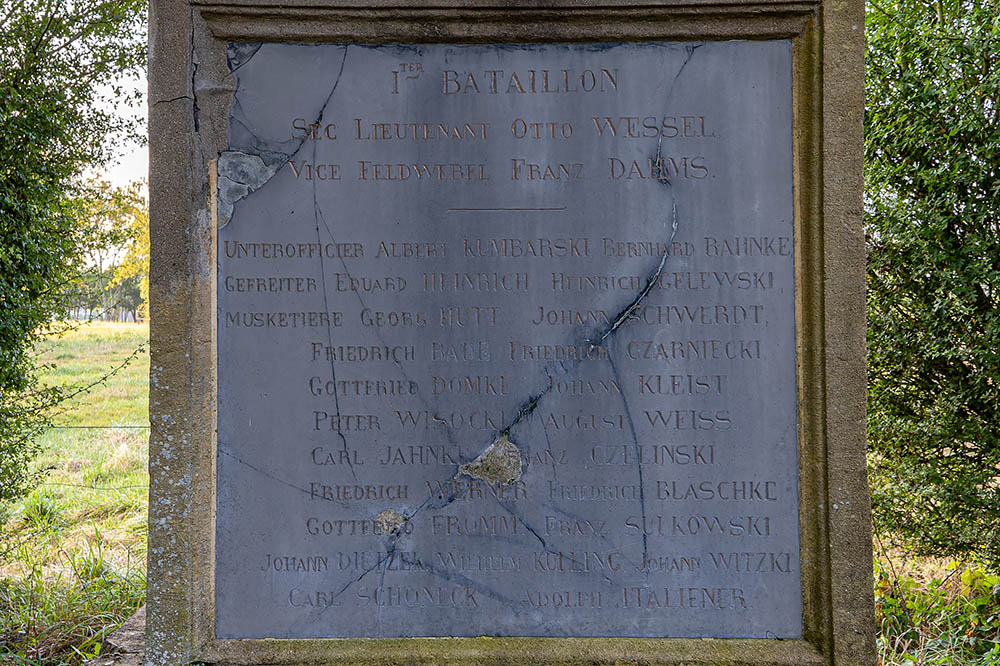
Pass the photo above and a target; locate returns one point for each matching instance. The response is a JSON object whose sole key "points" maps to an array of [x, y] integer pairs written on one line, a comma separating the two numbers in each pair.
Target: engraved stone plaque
{"points": [[506, 342]]}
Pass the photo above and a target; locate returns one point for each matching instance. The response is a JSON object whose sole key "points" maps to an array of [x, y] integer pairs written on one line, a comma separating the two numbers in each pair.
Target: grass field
{"points": [[75, 554], [75, 567]]}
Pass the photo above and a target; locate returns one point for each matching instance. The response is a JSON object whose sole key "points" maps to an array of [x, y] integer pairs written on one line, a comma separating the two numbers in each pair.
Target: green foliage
{"points": [[932, 214], [42, 511], [57, 113], [950, 619]]}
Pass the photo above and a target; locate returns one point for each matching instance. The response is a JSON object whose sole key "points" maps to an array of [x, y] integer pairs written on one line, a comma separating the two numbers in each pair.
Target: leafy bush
{"points": [[932, 214]]}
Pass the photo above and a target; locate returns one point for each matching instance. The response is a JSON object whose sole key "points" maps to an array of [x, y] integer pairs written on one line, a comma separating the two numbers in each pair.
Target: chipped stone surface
{"points": [[239, 175], [499, 463]]}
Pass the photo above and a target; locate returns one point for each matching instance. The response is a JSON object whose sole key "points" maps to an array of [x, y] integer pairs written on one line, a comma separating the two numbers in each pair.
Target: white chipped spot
{"points": [[389, 521], [240, 174]]}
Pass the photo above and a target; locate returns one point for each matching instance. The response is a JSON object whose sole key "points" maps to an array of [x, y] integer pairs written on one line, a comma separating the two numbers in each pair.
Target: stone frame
{"points": [[190, 91]]}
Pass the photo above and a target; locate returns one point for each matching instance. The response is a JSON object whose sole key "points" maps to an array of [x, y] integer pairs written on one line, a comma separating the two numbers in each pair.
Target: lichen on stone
{"points": [[499, 463], [389, 521]]}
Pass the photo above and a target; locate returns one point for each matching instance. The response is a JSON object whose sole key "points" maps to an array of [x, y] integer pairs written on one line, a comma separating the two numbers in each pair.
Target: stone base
{"points": [[127, 645]]}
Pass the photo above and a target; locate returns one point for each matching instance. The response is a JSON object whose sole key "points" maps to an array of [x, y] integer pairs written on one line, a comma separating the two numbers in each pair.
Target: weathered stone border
{"points": [[190, 90]]}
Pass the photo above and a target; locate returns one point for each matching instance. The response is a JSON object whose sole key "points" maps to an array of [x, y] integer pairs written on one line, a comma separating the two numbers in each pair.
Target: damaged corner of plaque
{"points": [[239, 175], [239, 54], [499, 463], [389, 521]]}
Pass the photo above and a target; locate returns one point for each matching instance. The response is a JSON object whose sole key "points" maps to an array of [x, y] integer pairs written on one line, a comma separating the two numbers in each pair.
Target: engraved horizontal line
{"points": [[548, 209]]}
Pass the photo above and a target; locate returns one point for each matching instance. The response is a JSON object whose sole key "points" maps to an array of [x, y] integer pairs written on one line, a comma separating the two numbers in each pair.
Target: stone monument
{"points": [[521, 334]]}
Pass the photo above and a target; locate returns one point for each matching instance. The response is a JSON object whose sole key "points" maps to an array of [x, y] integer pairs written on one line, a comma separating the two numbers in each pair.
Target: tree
{"points": [[130, 295], [135, 264], [103, 213], [57, 114], [116, 254], [932, 186]]}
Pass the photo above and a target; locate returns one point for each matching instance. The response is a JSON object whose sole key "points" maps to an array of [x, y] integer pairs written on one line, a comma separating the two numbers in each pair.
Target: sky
{"points": [[132, 163], [132, 166]]}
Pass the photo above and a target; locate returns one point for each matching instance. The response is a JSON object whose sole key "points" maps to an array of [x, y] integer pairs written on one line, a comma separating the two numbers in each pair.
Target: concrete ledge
{"points": [[127, 645]]}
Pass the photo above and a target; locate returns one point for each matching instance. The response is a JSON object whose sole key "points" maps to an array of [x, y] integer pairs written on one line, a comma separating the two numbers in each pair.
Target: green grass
{"points": [[83, 355], [72, 566], [75, 563]]}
